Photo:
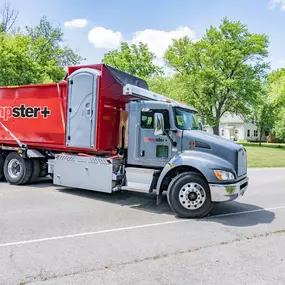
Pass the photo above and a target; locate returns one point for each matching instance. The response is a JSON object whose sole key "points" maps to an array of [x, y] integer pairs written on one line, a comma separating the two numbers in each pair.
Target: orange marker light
{"points": [[218, 175]]}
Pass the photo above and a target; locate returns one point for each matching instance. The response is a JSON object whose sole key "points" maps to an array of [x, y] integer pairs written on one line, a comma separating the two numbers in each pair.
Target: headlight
{"points": [[224, 175]]}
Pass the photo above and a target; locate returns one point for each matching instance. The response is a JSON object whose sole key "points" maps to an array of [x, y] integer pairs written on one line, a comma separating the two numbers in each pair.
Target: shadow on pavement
{"points": [[134, 200], [229, 214], [237, 214], [40, 183]]}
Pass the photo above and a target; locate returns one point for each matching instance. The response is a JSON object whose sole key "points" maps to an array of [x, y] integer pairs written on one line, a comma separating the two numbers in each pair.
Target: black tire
{"points": [[25, 169], [177, 194], [43, 169], [36, 170], [2, 161]]}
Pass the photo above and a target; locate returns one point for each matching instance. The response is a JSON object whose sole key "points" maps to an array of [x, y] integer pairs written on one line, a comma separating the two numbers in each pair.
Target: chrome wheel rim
{"points": [[192, 196], [14, 168]]}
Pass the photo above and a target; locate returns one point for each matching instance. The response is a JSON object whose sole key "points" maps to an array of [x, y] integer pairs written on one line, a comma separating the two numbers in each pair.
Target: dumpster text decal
{"points": [[145, 139], [23, 112]]}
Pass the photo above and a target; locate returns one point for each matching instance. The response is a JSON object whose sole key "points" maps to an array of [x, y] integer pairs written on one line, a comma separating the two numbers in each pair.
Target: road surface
{"points": [[50, 236]]}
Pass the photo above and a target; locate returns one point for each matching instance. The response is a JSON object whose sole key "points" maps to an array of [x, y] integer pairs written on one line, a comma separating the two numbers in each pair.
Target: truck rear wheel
{"points": [[2, 160], [36, 170], [189, 196], [17, 170]]}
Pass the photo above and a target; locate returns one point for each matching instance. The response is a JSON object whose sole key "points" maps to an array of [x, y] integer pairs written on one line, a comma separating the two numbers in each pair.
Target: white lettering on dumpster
{"points": [[23, 112]]}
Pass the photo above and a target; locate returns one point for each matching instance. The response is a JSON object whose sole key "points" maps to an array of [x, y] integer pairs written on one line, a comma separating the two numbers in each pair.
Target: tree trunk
{"points": [[216, 129], [260, 137]]}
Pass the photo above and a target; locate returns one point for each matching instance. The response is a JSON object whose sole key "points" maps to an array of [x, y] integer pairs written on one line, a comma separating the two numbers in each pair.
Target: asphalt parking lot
{"points": [[50, 235]]}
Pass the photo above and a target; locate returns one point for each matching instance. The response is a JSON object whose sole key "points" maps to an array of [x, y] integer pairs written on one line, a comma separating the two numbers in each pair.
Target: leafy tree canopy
{"points": [[276, 98], [276, 80], [36, 55], [134, 59], [223, 71], [47, 50], [17, 65], [280, 124]]}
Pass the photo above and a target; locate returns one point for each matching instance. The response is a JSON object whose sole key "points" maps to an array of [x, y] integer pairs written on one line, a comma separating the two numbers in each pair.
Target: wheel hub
{"points": [[14, 168], [192, 196]]}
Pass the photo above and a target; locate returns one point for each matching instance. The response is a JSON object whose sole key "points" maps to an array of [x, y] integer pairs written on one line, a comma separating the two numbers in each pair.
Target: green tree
{"points": [[265, 117], [169, 86], [276, 94], [280, 124], [276, 82], [47, 50], [17, 65], [34, 57], [223, 71], [134, 59]]}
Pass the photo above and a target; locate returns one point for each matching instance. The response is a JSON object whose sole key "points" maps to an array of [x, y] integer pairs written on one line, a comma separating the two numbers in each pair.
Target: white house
{"points": [[235, 128]]}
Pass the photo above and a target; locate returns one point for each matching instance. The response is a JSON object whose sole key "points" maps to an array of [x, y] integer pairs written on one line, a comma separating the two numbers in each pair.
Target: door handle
{"points": [[88, 108], [142, 153]]}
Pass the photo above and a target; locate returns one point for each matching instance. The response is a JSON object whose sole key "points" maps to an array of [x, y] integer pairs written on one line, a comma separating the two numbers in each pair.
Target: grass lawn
{"points": [[266, 155]]}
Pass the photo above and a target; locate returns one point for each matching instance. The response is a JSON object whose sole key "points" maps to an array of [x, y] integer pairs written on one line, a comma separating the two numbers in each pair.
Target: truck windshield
{"points": [[186, 120]]}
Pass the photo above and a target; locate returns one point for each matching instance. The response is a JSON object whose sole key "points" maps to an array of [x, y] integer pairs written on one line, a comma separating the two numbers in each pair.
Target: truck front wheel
{"points": [[17, 170], [189, 196]]}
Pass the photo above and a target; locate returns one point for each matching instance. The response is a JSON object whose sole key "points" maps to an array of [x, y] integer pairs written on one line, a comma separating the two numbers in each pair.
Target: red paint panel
{"points": [[111, 103], [34, 114]]}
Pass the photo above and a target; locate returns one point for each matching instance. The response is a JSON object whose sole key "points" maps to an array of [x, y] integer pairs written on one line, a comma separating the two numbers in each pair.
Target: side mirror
{"points": [[158, 124], [200, 126]]}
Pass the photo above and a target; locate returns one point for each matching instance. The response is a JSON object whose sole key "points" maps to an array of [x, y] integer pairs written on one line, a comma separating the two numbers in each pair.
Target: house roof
{"points": [[231, 118]]}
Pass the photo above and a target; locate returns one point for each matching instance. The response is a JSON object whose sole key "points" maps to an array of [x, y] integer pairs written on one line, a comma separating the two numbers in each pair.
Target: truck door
{"points": [[82, 96], [153, 150]]}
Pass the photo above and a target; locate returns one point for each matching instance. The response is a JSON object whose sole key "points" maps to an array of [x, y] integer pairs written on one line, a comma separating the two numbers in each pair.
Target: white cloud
{"points": [[274, 3], [76, 23], [158, 41], [103, 38]]}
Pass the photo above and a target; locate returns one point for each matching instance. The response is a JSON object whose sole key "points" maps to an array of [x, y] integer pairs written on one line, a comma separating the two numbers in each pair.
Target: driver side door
{"points": [[153, 150]]}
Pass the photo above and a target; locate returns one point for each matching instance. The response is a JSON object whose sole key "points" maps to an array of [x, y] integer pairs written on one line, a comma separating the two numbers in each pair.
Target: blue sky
{"points": [[103, 24]]}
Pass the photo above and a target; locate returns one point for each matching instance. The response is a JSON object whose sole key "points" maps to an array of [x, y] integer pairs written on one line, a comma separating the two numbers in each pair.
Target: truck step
{"points": [[138, 179], [137, 188]]}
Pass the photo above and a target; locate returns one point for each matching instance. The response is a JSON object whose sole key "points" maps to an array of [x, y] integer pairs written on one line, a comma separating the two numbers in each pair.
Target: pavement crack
{"points": [[11, 255], [13, 262], [46, 277]]}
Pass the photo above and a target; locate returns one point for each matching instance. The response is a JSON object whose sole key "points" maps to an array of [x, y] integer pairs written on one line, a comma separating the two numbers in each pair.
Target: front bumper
{"points": [[228, 192]]}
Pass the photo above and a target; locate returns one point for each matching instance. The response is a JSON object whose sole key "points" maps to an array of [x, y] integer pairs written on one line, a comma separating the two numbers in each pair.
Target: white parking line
{"points": [[248, 212], [132, 228]]}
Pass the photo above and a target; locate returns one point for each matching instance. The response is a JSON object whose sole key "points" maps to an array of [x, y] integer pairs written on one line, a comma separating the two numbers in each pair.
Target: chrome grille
{"points": [[242, 162]]}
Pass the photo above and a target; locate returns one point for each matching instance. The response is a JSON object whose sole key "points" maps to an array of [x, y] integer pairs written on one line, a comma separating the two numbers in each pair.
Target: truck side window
{"points": [[147, 118]]}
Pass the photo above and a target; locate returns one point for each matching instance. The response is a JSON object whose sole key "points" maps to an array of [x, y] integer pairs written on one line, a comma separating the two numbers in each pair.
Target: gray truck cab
{"points": [[168, 151]]}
